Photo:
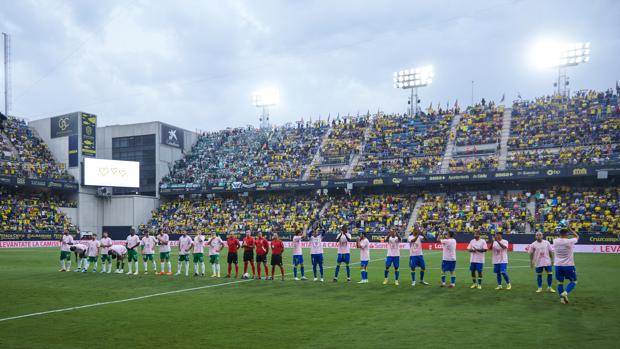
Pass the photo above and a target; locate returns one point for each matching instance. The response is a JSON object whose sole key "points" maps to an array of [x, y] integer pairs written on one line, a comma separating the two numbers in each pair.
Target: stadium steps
{"points": [[317, 156], [503, 151], [447, 156], [8, 142], [414, 214], [357, 156]]}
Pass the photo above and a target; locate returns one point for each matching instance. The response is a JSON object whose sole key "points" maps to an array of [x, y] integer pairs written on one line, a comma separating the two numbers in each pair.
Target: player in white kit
{"points": [[79, 250], [499, 251], [164, 252], [215, 244], [364, 246], [416, 257], [541, 258], [132, 244], [118, 252], [148, 243], [185, 244], [92, 254], [448, 258], [316, 252], [65, 251], [106, 243], [298, 257], [393, 256], [564, 248], [344, 252], [199, 253]]}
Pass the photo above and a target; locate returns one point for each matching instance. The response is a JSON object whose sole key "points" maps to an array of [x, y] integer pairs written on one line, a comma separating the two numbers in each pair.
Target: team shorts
{"points": [[499, 268], [183, 258], [199, 257], [363, 264], [132, 255], [476, 267], [565, 272], [548, 269], [316, 258], [248, 255], [276, 259], [261, 258], [298, 259], [164, 256], [232, 258], [392, 260], [344, 258], [65, 255], [147, 257], [214, 259], [448, 266], [105, 257], [417, 261], [92, 259]]}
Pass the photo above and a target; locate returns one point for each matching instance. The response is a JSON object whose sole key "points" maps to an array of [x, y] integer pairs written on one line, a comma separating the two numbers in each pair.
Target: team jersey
{"points": [[67, 240], [364, 250], [297, 245], [262, 246], [564, 250], [541, 253], [105, 242], [148, 243], [164, 243], [199, 244], [79, 248], [499, 254], [132, 241], [185, 242], [316, 244], [233, 245], [215, 246], [393, 247], [477, 257], [119, 249], [415, 248], [93, 248], [449, 249], [343, 243], [277, 247], [248, 243]]}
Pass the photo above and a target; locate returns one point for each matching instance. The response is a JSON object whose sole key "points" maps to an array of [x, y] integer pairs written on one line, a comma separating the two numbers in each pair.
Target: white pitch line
{"points": [[139, 297]]}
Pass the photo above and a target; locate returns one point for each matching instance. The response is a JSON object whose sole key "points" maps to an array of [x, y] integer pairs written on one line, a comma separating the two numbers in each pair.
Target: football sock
{"points": [[245, 267], [202, 267], [295, 271], [229, 267], [560, 289], [386, 273], [321, 269], [499, 278], [68, 264], [236, 270], [443, 279], [570, 287], [337, 271], [396, 274], [186, 268], [253, 268], [479, 281], [129, 265], [145, 266], [86, 264], [179, 267], [95, 265], [453, 280], [195, 268], [266, 270], [506, 278], [136, 265], [162, 266], [413, 276], [549, 280], [348, 272], [154, 266], [421, 275], [539, 280], [62, 264], [273, 271], [213, 268], [302, 271], [282, 272], [314, 269]]}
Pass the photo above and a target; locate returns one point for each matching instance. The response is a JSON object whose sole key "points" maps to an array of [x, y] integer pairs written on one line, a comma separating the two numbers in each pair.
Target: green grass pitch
{"points": [[303, 314]]}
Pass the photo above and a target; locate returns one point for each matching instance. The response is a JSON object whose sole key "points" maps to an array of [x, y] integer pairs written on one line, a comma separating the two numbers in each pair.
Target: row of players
{"points": [[543, 255]]}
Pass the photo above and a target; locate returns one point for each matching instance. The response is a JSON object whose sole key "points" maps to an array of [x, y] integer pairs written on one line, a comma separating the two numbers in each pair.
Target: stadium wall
{"points": [[128, 210]]}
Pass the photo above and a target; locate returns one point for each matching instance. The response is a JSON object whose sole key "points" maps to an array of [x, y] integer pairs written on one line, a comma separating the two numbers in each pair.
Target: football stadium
{"points": [[489, 220]]}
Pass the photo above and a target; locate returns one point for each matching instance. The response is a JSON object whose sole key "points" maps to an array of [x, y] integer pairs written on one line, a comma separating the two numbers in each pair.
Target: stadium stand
{"points": [[32, 212], [24, 154], [480, 124]]}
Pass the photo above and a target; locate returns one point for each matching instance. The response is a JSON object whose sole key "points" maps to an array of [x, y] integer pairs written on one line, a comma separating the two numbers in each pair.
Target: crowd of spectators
{"points": [[30, 157], [32, 212], [367, 213], [480, 124], [345, 140], [570, 156], [249, 155], [588, 117], [272, 213], [399, 166], [469, 212], [473, 164], [584, 210]]}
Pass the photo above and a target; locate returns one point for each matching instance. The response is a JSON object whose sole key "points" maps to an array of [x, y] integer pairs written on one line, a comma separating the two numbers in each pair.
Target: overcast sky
{"points": [[195, 63]]}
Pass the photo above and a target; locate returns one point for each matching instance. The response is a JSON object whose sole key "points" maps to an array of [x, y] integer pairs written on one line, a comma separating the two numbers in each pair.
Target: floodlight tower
{"points": [[413, 79], [265, 98], [569, 56]]}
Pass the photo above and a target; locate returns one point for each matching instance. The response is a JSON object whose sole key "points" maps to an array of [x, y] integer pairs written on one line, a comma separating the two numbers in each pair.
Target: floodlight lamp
{"points": [[266, 97]]}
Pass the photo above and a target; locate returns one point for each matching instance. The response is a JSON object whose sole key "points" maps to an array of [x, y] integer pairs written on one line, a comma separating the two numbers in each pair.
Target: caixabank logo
{"points": [[580, 171]]}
